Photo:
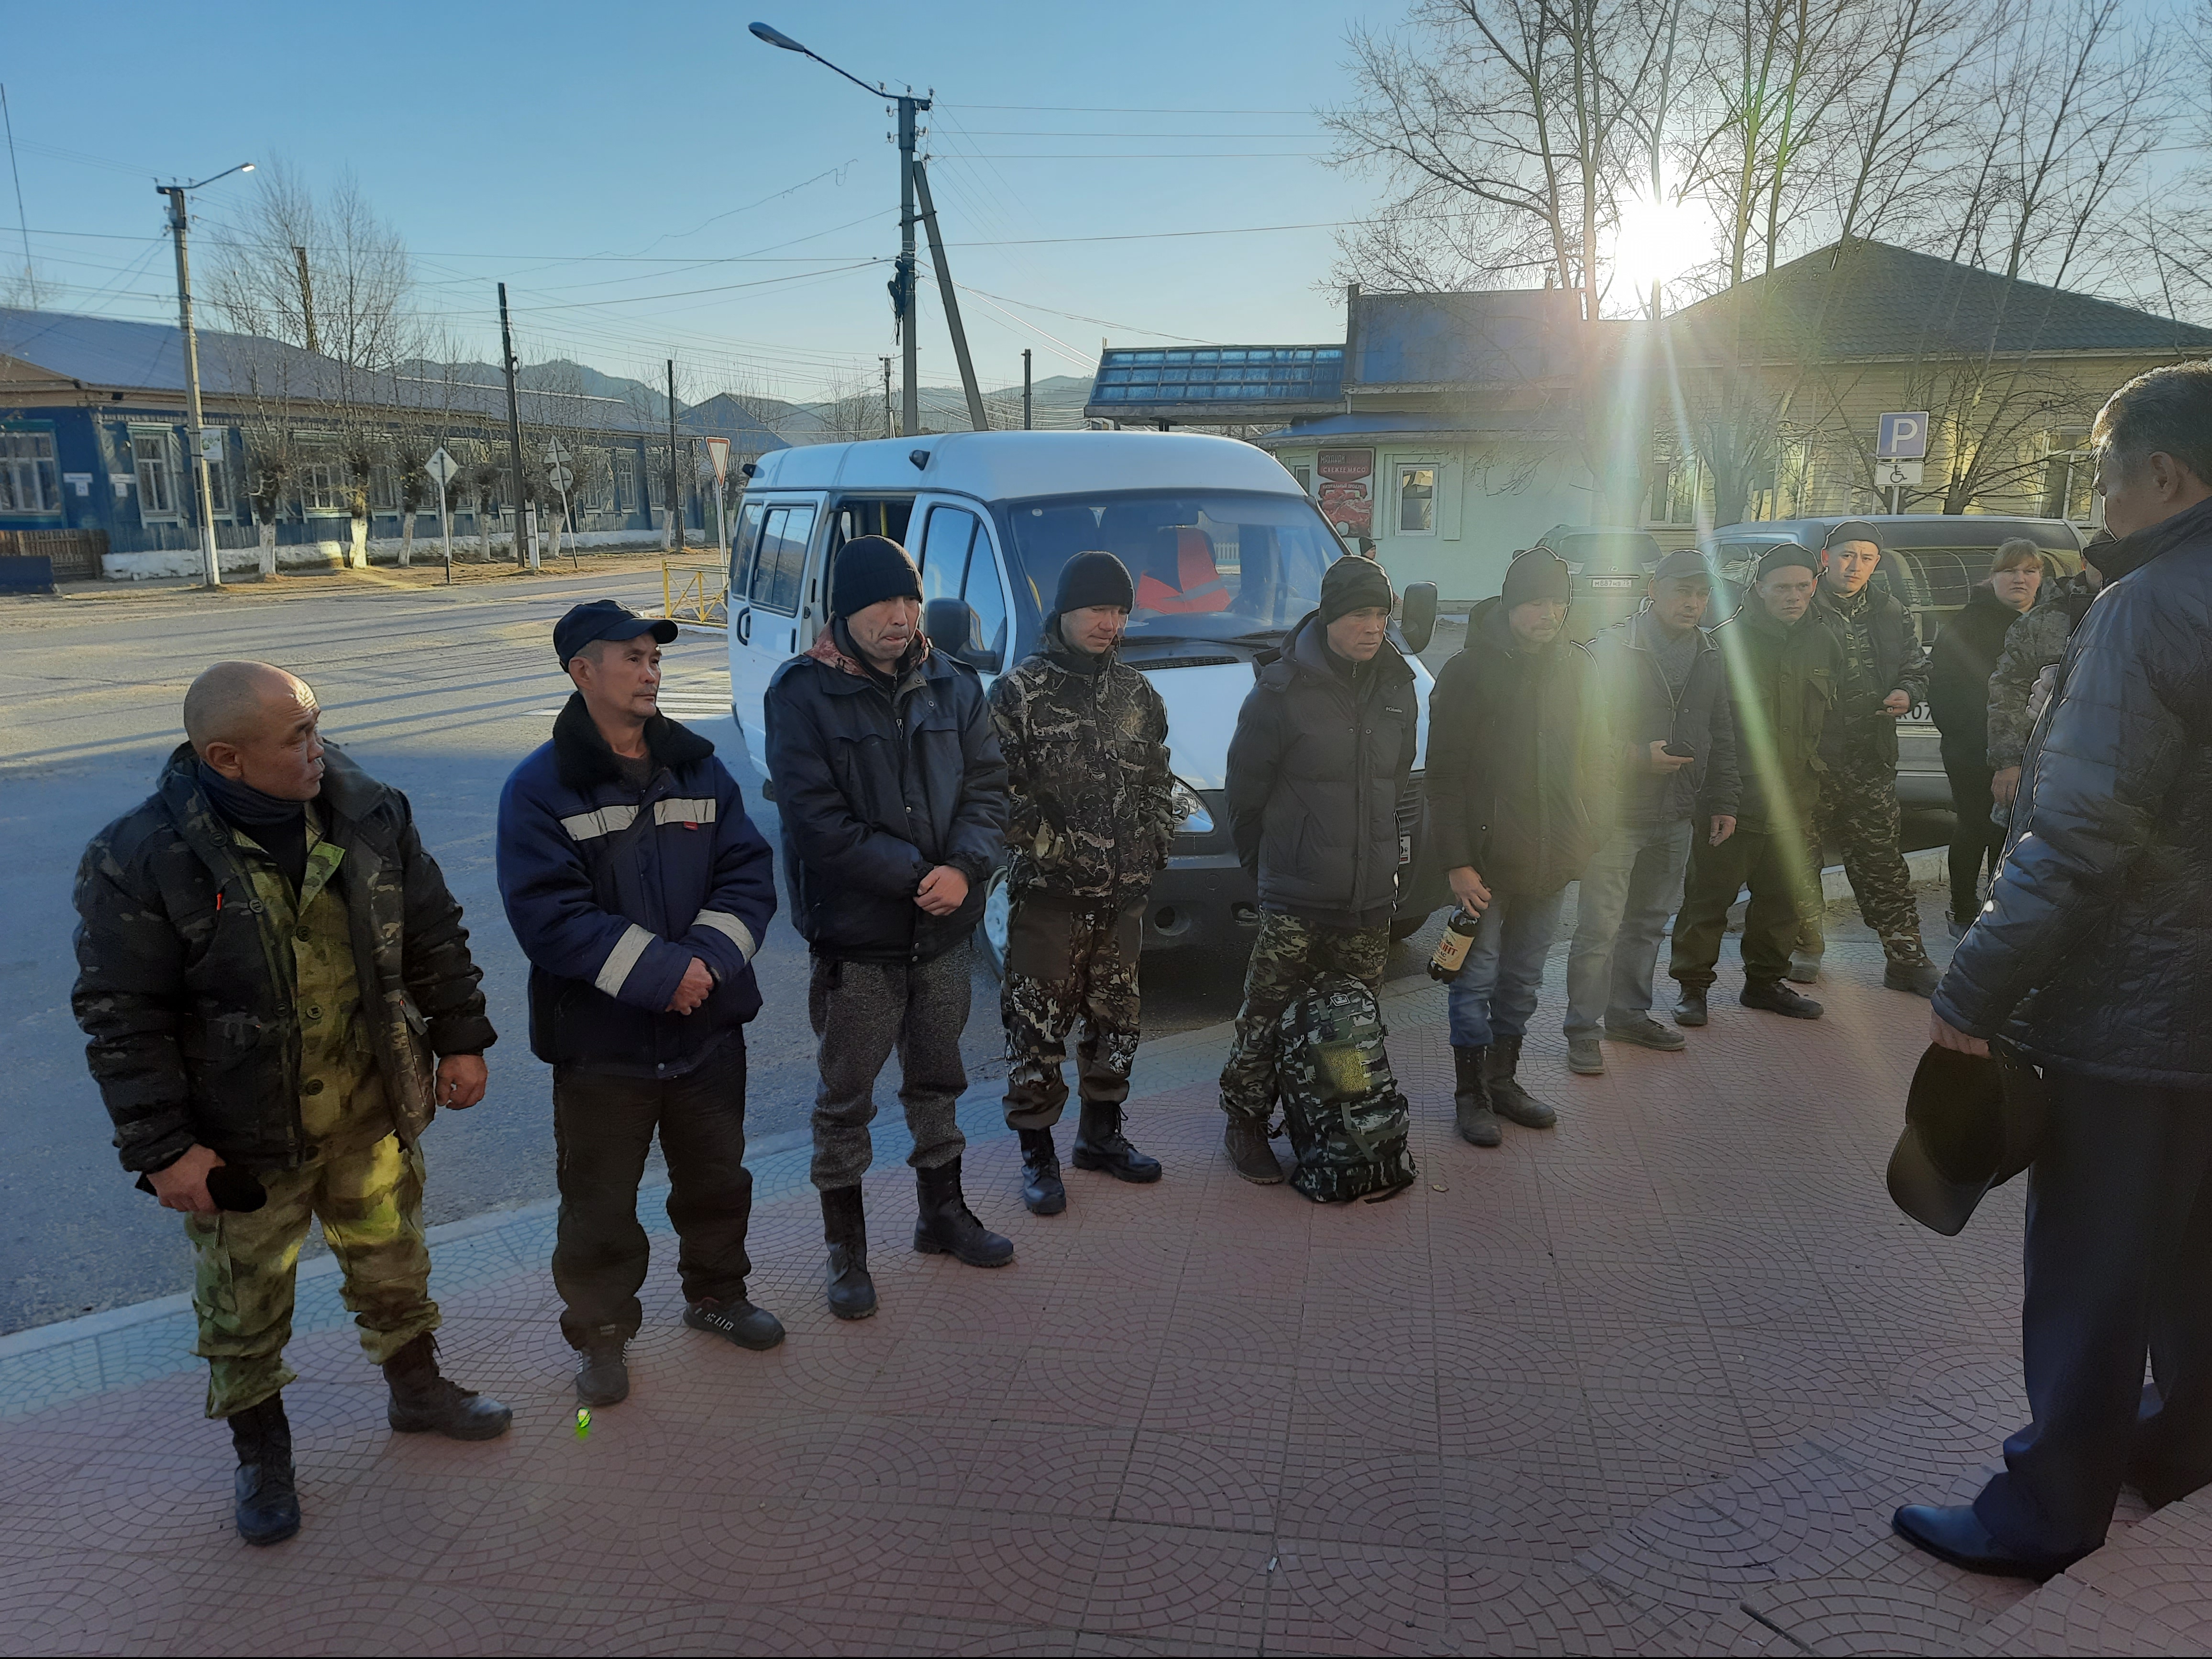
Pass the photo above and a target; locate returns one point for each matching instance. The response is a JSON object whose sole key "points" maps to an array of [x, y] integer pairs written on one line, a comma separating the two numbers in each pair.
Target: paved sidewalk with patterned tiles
{"points": [[1650, 1382]]}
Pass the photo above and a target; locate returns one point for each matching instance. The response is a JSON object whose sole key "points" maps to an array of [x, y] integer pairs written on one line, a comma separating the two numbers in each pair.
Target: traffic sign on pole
{"points": [[1902, 436], [441, 466], [1898, 474], [717, 451], [562, 478]]}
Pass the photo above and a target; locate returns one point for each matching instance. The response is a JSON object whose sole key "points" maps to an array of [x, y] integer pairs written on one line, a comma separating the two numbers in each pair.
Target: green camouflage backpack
{"points": [[1341, 1103]]}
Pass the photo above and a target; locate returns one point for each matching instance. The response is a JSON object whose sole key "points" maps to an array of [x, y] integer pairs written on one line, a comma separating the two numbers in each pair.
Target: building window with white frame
{"points": [[625, 481], [152, 457], [323, 480], [28, 482], [1417, 501], [1676, 492], [218, 476], [2070, 476]]}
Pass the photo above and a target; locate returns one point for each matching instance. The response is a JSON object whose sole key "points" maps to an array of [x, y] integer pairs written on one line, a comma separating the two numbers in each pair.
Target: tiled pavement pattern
{"points": [[1651, 1382]]}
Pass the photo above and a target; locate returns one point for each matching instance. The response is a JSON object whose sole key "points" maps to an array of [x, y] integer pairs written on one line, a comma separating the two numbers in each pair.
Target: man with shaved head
{"points": [[279, 993]]}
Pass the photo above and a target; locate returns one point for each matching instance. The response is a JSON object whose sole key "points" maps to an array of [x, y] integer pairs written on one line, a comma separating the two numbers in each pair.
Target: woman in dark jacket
{"points": [[1959, 667]]}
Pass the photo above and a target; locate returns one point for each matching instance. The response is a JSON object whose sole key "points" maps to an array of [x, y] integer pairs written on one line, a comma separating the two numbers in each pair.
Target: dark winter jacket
{"points": [[1320, 786], [1899, 665], [2034, 642], [1520, 766], [1091, 802], [876, 787], [1783, 679], [1966, 654], [1641, 708], [2095, 949], [187, 997], [612, 891]]}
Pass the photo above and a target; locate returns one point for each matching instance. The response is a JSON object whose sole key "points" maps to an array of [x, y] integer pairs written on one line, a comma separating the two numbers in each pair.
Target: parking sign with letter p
{"points": [[1903, 436]]}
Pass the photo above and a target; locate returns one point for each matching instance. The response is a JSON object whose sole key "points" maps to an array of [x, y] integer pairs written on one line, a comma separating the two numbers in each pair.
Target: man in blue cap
{"points": [[640, 892]]}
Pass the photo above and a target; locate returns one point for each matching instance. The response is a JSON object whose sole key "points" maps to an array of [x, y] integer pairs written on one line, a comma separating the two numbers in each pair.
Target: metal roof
{"points": [[1487, 337], [1199, 381]]}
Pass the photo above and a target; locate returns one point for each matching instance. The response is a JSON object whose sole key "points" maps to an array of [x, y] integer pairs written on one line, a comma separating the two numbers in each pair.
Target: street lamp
{"points": [[204, 499], [912, 178]]}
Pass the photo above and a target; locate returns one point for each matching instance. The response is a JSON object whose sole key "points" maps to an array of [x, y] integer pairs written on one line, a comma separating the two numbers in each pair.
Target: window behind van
{"points": [[1205, 565]]}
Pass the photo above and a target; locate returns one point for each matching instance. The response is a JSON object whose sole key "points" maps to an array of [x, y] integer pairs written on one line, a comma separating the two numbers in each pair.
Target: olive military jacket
{"points": [[1783, 678]]}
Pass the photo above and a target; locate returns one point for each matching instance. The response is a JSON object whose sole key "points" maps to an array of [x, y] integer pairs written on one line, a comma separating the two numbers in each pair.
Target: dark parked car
{"points": [[1931, 563]]}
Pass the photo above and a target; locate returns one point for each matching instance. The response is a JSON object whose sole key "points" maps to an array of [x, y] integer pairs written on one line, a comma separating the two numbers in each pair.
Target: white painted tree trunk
{"points": [[268, 528], [357, 554], [406, 537]]}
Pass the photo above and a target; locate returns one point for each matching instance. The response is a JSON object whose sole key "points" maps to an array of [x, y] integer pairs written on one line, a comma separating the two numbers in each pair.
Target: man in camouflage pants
{"points": [[269, 961], [1885, 675], [1085, 737]]}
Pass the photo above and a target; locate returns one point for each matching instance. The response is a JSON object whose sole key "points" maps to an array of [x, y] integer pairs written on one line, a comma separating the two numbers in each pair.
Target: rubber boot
{"points": [[946, 1226], [267, 1501], [422, 1400], [1100, 1145], [1512, 1102], [1042, 1189], [1473, 1116], [845, 1229]]}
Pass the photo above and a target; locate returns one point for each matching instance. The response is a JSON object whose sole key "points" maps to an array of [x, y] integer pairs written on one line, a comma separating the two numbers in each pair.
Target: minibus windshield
{"points": [[1206, 566]]}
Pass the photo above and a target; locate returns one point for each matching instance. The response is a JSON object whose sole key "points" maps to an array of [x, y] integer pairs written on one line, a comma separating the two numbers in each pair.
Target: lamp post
{"points": [[912, 179], [202, 500]]}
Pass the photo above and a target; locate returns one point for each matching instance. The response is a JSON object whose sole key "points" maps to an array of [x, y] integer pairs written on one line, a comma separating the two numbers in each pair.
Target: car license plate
{"points": [[1612, 582]]}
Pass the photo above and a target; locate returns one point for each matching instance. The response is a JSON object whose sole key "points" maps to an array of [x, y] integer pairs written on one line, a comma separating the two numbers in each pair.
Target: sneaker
{"points": [[1584, 1057], [1646, 1032], [1779, 998], [1804, 967], [736, 1321], [1920, 978], [1690, 1010], [604, 1378]]}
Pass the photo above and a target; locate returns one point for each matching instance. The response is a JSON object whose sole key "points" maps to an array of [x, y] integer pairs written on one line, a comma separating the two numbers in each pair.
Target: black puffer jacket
{"points": [[1958, 669], [1520, 773], [1320, 786], [193, 1034], [875, 789], [2095, 949], [1641, 708]]}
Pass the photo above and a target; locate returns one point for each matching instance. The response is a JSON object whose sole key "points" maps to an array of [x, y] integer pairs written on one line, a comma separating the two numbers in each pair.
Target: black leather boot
{"points": [[1245, 1139], [845, 1229], [946, 1226], [1100, 1145], [1041, 1184], [267, 1507], [1507, 1097], [1473, 1116], [422, 1400], [1690, 1007]]}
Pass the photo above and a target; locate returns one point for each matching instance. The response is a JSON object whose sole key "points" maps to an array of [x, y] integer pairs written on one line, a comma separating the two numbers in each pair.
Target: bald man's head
{"points": [[256, 723]]}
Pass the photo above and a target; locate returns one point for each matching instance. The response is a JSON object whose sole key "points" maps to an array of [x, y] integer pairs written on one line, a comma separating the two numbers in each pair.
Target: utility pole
{"points": [[514, 432], [903, 283], [976, 418], [210, 566], [1029, 408], [888, 430], [675, 501], [306, 296]]}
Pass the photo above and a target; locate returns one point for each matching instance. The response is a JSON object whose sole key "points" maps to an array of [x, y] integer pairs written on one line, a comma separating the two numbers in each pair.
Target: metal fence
{"points": [[75, 553], [696, 593]]}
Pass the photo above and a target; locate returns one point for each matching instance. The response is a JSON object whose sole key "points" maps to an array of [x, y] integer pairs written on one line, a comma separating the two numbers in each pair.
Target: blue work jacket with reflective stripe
{"points": [[612, 891]]}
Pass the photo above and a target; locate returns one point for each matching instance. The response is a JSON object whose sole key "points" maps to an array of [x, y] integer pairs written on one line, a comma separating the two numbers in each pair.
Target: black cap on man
{"points": [[605, 619]]}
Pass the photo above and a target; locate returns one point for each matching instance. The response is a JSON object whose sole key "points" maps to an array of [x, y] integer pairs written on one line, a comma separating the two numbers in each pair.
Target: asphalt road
{"points": [[439, 691]]}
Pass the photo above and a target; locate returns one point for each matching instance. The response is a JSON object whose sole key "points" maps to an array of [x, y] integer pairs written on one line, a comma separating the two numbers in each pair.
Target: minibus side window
{"points": [[779, 569], [743, 548]]}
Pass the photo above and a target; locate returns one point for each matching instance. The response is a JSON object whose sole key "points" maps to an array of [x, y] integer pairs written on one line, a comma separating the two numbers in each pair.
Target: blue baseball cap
{"points": [[605, 619]]}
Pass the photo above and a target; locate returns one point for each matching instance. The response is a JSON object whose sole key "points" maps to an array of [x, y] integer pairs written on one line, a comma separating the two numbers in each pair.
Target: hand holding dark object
{"points": [[1944, 1035], [943, 890], [1724, 826], [1468, 889], [183, 1185], [1665, 757], [697, 986], [461, 1080], [1896, 704]]}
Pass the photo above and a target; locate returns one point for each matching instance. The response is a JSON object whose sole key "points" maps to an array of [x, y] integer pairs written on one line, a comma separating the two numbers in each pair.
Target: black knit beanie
{"points": [[1539, 574], [1787, 553], [1353, 583], [871, 569], [1090, 579]]}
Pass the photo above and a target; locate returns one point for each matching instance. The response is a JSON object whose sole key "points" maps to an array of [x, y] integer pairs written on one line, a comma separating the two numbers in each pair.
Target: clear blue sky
{"points": [[515, 141]]}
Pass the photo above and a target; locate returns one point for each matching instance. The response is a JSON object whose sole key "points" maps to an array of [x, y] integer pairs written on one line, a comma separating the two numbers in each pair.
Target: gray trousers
{"points": [[1629, 888], [861, 1010]]}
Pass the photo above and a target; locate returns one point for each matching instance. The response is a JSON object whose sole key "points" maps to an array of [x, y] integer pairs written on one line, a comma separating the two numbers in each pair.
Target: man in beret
{"points": [[1320, 764], [1662, 687], [1885, 674], [892, 795], [1092, 814], [640, 890], [1782, 667]]}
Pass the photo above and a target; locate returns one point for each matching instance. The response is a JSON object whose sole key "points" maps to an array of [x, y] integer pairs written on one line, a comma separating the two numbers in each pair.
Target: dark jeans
{"points": [[2119, 1263], [1976, 841], [603, 1126], [1498, 985], [862, 1010]]}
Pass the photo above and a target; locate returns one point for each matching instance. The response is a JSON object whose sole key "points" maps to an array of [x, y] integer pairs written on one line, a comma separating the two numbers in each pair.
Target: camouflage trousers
{"points": [[1857, 810], [1288, 953], [1069, 960], [368, 1196]]}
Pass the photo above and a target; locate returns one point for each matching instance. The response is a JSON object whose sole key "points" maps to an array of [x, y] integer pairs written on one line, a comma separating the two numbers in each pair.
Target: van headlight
{"points": [[1196, 820]]}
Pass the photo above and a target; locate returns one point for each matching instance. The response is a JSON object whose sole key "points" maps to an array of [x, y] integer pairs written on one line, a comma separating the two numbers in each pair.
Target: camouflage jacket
{"points": [[2031, 645], [1092, 801], [191, 1001]]}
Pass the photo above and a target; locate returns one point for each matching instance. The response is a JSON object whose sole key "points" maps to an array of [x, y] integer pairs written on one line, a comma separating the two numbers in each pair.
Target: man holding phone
{"points": [[1663, 691]]}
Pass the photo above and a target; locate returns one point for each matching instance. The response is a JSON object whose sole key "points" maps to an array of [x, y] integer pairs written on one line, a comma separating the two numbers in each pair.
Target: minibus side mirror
{"points": [[947, 621], [1417, 616]]}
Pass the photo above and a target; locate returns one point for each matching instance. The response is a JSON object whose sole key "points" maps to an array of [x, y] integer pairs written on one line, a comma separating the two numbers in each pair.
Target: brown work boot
{"points": [[1246, 1141]]}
